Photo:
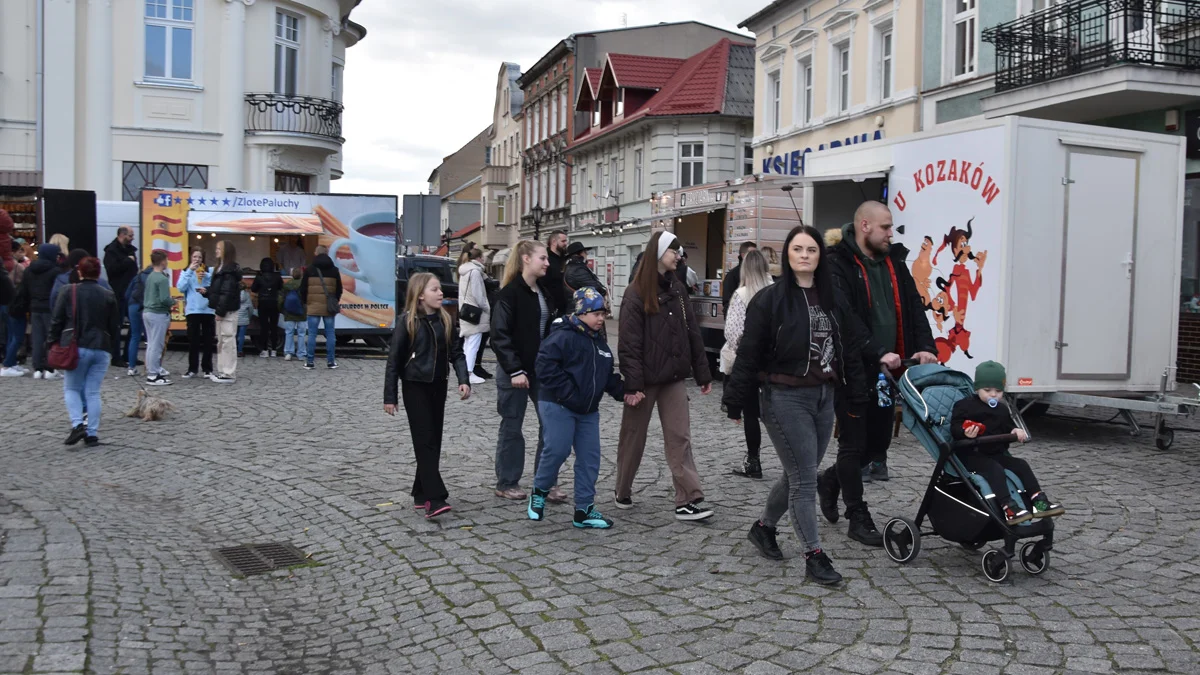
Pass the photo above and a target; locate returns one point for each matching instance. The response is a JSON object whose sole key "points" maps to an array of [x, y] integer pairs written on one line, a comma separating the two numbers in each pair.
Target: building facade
{"points": [[500, 202], [203, 94], [831, 73], [459, 182]]}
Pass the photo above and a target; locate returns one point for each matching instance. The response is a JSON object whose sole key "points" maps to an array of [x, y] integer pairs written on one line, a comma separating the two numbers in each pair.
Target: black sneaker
{"points": [[624, 502], [751, 468], [310, 366], [1044, 507], [332, 366], [76, 435], [819, 568], [692, 511], [91, 441], [537, 504], [590, 518], [190, 374], [436, 508], [763, 538], [862, 527], [879, 471], [157, 381], [479, 371], [827, 494], [866, 473]]}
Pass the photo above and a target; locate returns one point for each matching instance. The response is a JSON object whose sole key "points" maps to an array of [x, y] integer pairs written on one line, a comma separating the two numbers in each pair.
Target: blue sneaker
{"points": [[591, 518], [537, 504]]}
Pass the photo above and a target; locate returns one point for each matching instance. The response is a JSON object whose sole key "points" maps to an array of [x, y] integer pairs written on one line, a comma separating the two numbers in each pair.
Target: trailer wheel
{"points": [[1166, 439]]}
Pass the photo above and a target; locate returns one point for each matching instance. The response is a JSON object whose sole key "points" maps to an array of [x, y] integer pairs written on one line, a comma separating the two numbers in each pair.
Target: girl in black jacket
{"points": [[267, 286], [425, 343], [796, 343]]}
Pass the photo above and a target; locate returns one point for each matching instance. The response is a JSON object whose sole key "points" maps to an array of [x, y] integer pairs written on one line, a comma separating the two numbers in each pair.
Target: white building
{"points": [[500, 209], [209, 94]]}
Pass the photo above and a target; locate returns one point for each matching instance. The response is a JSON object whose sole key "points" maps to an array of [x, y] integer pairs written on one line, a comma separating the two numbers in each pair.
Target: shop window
{"points": [[291, 182], [170, 25], [138, 175]]}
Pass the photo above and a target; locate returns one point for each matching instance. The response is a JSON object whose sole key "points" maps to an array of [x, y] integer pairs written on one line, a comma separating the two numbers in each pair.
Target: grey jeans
{"points": [[510, 442], [156, 340], [800, 423]]}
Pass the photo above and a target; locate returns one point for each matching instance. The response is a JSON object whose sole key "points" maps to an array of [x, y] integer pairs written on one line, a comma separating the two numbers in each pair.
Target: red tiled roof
{"points": [[642, 72], [466, 230], [593, 78]]}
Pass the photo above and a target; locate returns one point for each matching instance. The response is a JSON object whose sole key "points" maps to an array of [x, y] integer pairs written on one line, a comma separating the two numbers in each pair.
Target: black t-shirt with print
{"points": [[822, 364]]}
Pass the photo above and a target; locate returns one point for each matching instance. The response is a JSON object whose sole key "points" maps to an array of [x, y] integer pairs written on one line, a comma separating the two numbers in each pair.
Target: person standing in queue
{"points": [[41, 276], [873, 280], [321, 292], [659, 346], [754, 277], [425, 344], [120, 262], [267, 286], [225, 296], [798, 346], [522, 315], [201, 319]]}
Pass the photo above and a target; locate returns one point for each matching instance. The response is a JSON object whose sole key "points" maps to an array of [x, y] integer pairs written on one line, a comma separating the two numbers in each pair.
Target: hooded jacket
{"points": [[661, 348], [41, 276], [267, 285], [120, 268], [575, 367], [414, 357], [99, 316], [314, 293], [190, 284], [472, 290], [851, 277]]}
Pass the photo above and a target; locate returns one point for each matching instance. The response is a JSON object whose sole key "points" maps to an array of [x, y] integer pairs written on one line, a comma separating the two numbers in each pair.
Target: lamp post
{"points": [[446, 235], [536, 212]]}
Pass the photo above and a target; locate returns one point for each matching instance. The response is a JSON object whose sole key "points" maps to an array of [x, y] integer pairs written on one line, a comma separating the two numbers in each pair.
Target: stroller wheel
{"points": [[1033, 559], [995, 565], [901, 539]]}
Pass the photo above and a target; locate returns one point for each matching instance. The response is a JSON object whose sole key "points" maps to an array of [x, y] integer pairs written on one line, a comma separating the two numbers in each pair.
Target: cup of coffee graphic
{"points": [[372, 240]]}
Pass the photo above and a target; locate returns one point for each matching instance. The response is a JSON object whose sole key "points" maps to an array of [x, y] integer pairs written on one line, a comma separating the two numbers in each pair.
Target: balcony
{"points": [[496, 175], [302, 116], [1090, 59]]}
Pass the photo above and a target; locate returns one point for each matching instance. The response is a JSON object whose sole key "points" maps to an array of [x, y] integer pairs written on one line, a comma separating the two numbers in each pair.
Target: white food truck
{"points": [[1053, 248]]}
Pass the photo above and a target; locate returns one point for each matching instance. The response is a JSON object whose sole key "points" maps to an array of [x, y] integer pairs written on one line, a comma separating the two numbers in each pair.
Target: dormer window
{"points": [[596, 113], [620, 110]]}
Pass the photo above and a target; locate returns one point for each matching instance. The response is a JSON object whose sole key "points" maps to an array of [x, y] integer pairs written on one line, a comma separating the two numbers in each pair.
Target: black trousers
{"points": [[991, 468], [118, 346], [202, 336], [425, 405], [750, 424], [268, 327], [861, 440]]}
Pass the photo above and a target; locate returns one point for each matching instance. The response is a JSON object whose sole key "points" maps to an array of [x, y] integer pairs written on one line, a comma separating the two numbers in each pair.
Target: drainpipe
{"points": [[39, 75]]}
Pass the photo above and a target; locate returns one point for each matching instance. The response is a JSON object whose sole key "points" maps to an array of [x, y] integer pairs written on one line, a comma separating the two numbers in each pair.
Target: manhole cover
{"points": [[250, 559]]}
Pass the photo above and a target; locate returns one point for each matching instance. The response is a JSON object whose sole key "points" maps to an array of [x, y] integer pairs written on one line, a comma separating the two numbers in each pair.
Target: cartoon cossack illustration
{"points": [[955, 292]]}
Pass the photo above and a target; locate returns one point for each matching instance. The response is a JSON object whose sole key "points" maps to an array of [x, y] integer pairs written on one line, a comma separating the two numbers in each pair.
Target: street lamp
{"points": [[536, 212], [447, 234]]}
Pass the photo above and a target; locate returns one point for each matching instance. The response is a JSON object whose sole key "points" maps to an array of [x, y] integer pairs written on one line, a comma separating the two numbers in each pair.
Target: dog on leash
{"points": [[150, 408]]}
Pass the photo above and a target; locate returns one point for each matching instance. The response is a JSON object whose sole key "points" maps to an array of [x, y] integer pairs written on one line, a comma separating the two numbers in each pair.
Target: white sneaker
{"points": [[475, 379], [164, 372], [37, 374], [273, 354], [55, 375], [263, 354], [10, 372], [287, 357], [132, 372], [212, 377], [157, 381]]}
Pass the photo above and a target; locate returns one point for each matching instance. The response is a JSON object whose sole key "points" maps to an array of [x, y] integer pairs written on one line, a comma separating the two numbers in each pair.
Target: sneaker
{"points": [[52, 375], [208, 375], [164, 372], [77, 434], [477, 380], [157, 381], [332, 365], [37, 374], [866, 473], [819, 568], [692, 511], [310, 365], [556, 496], [436, 508], [537, 504], [481, 372], [591, 518], [11, 372], [132, 372], [624, 502], [763, 538], [224, 379], [862, 527], [287, 357], [1015, 515], [273, 354], [516, 494], [751, 468], [189, 374], [91, 441], [264, 355], [1044, 507], [879, 471], [241, 355], [827, 494], [420, 504]]}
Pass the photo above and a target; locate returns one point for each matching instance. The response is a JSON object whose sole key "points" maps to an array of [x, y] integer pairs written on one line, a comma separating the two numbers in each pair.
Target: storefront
{"points": [[21, 197]]}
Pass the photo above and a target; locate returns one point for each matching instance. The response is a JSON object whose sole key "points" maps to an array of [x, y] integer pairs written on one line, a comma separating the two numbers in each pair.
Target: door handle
{"points": [[1128, 264]]}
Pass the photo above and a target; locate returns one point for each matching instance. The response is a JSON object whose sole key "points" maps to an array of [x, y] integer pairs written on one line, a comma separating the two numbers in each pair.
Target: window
{"points": [[691, 164], [563, 106], [965, 37], [584, 187], [773, 109], [499, 209], [554, 112], [614, 187], [562, 185], [537, 121], [336, 83], [595, 113], [537, 192], [843, 77], [620, 102], [885, 64], [601, 184], [528, 122], [543, 182], [169, 30], [138, 175], [544, 113], [287, 52], [552, 195], [804, 92], [748, 160], [638, 173]]}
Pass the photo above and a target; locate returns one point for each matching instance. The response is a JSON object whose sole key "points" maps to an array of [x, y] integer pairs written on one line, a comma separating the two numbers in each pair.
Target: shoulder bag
{"points": [[66, 356], [331, 303], [468, 312]]}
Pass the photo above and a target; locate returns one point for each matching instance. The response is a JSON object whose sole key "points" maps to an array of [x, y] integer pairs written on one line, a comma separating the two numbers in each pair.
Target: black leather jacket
{"points": [[99, 316], [577, 275], [516, 333], [412, 357]]}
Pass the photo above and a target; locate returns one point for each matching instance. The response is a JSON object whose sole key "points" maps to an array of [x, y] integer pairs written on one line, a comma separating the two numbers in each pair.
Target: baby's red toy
{"points": [[969, 425]]}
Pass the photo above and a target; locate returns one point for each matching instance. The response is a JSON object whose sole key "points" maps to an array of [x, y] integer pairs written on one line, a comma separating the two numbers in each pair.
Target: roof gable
{"points": [[639, 72]]}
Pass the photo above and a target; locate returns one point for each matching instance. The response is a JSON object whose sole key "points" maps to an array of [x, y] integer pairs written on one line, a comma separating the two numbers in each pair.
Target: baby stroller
{"points": [[956, 508]]}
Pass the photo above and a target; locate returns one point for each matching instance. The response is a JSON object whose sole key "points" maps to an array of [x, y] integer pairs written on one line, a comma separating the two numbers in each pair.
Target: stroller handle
{"points": [[985, 440], [904, 363]]}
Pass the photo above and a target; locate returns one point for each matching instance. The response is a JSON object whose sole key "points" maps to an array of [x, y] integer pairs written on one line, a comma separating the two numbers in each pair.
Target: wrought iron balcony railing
{"points": [[1082, 35], [306, 115]]}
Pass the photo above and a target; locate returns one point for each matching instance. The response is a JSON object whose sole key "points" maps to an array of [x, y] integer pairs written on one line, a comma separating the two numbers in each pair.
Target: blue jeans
{"points": [[297, 331], [241, 338], [330, 337], [16, 337], [565, 428], [135, 335], [82, 384], [510, 442]]}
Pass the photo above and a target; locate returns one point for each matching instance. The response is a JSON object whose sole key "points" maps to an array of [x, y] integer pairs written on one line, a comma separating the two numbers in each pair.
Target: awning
{"points": [[253, 223]]}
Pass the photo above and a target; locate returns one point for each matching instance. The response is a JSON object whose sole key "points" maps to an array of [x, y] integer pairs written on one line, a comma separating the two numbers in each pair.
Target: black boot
{"points": [[751, 468], [763, 538], [480, 372], [862, 527], [828, 488], [77, 434], [819, 568]]}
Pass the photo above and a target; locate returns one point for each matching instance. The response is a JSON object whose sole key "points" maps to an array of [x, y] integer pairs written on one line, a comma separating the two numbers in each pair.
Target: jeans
{"points": [[295, 338], [510, 442], [82, 384], [135, 335], [38, 337], [800, 423], [156, 340], [471, 344], [425, 406], [202, 330], [330, 337], [565, 428], [16, 337], [241, 339]]}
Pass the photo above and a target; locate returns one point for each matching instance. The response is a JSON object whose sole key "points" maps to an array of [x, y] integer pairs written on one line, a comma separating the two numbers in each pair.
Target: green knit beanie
{"points": [[989, 375]]}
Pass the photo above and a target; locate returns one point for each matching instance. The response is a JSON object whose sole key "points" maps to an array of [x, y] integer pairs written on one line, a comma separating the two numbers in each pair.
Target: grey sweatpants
{"points": [[799, 421]]}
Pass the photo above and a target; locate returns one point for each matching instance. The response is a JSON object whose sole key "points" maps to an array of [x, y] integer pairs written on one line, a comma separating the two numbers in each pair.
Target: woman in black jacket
{"points": [[267, 286], [225, 297], [425, 343], [796, 344], [93, 314]]}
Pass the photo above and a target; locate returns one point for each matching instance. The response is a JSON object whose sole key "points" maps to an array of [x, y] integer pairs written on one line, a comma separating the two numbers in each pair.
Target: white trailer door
{"points": [[1098, 252]]}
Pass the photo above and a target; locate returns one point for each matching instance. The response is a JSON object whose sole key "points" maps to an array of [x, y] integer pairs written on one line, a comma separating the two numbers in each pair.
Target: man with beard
{"points": [[871, 277], [120, 262], [556, 251]]}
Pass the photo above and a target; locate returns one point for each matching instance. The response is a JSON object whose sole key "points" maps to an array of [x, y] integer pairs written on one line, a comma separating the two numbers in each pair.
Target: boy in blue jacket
{"points": [[575, 370]]}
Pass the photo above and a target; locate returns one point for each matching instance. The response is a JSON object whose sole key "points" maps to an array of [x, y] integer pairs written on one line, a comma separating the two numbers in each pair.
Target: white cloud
{"points": [[422, 83]]}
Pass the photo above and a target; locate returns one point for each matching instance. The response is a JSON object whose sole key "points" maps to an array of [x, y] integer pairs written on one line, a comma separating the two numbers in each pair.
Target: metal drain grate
{"points": [[250, 559]]}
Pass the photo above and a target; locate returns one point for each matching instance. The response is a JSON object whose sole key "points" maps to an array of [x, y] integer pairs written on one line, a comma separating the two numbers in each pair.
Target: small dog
{"points": [[150, 408]]}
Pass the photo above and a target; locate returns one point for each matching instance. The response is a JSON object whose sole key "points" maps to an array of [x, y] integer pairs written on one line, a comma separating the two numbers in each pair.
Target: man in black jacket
{"points": [[556, 251], [120, 262], [730, 283], [872, 277]]}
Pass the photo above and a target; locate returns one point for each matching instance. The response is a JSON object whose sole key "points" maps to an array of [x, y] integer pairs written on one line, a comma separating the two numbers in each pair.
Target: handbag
{"points": [[468, 312], [331, 304], [66, 356]]}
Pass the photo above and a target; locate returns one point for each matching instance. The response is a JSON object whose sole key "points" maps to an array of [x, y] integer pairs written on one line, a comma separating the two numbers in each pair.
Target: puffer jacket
{"points": [[225, 293], [413, 357], [41, 276], [664, 347], [575, 368], [578, 275], [313, 292], [267, 286], [99, 316], [472, 290]]}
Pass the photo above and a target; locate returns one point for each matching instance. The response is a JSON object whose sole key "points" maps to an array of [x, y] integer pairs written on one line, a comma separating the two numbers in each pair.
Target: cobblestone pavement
{"points": [[106, 558]]}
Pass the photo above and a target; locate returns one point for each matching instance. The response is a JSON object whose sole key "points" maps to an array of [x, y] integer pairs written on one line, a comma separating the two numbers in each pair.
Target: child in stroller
{"points": [[981, 415]]}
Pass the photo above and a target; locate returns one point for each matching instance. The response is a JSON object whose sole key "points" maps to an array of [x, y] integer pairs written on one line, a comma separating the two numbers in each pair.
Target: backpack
{"points": [[292, 304], [136, 293]]}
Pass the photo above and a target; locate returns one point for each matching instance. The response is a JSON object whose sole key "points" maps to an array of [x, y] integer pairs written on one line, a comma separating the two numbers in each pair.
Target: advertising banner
{"points": [[164, 228]]}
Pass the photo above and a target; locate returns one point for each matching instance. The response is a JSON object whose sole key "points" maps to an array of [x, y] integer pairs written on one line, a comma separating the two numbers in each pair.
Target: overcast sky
{"points": [[423, 81]]}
